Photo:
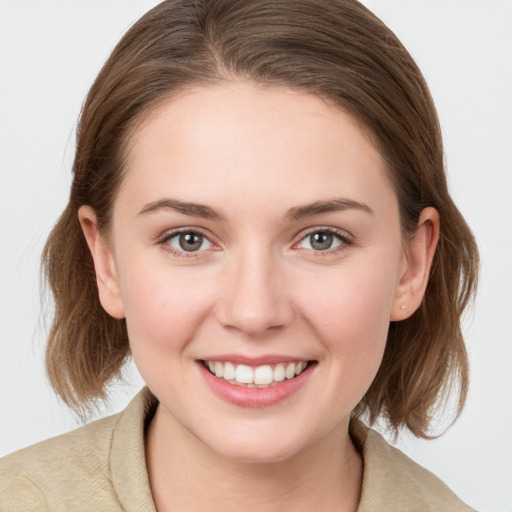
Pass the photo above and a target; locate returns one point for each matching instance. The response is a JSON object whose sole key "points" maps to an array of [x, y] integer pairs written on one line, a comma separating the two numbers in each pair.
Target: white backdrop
{"points": [[50, 53]]}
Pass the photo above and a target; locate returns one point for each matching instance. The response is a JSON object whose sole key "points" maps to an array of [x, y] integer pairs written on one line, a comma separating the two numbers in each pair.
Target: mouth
{"points": [[263, 376]]}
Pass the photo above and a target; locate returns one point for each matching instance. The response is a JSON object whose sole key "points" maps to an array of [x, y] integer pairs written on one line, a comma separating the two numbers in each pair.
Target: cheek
{"points": [[351, 299], [350, 309], [164, 307]]}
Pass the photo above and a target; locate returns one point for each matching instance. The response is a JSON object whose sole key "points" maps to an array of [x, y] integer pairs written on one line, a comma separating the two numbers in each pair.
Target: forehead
{"points": [[209, 143]]}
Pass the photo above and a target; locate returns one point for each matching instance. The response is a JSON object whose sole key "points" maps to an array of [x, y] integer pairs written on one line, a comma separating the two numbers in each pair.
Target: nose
{"points": [[254, 296]]}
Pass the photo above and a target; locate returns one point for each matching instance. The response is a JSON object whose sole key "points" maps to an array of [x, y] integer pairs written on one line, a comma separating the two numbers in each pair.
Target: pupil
{"points": [[321, 241], [191, 241]]}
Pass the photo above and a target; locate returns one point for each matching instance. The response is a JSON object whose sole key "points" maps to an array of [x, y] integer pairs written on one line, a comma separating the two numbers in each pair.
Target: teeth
{"points": [[244, 374], [290, 371], [300, 367], [279, 373], [261, 376], [229, 371], [219, 369]]}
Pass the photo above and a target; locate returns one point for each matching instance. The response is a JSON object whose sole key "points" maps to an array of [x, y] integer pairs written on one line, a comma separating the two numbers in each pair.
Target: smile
{"points": [[255, 377]]}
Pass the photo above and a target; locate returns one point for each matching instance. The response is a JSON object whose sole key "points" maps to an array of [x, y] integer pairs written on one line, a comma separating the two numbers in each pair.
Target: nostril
{"points": [[254, 317], [252, 297]]}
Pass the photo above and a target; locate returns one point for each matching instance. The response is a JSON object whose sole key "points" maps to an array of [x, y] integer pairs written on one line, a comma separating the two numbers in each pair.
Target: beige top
{"points": [[102, 466]]}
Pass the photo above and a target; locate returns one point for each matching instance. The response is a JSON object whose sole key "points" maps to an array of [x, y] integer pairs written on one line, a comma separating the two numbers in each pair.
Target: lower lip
{"points": [[255, 397]]}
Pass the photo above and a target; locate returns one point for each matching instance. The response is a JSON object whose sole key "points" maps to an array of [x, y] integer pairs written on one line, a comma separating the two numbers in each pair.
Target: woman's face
{"points": [[256, 231]]}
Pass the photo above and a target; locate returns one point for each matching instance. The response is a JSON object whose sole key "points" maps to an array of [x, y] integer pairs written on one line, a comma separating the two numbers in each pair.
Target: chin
{"points": [[257, 455], [261, 449]]}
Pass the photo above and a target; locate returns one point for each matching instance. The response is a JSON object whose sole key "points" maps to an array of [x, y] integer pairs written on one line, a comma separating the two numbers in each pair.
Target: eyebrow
{"points": [[295, 213], [186, 208], [318, 207]]}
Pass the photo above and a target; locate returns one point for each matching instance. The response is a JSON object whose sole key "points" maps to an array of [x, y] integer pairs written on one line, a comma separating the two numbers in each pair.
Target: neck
{"points": [[186, 475]]}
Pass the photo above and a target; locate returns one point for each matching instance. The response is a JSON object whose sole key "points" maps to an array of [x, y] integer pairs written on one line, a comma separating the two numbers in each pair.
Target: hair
{"points": [[337, 50]]}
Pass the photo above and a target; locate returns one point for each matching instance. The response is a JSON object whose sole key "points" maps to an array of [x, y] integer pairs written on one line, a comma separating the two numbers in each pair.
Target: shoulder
{"points": [[100, 466], [56, 466], [394, 482]]}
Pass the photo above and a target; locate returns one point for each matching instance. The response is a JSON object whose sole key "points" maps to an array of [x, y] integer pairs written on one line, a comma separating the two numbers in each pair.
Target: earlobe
{"points": [[418, 257], [104, 263]]}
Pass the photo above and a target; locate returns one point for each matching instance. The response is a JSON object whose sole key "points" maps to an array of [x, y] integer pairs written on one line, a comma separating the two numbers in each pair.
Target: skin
{"points": [[257, 286]]}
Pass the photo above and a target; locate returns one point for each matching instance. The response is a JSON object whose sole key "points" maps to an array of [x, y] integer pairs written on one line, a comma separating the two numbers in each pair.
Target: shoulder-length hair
{"points": [[335, 49]]}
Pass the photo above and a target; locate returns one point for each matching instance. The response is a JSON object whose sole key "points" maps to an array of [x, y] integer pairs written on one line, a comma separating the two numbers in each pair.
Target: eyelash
{"points": [[343, 237], [167, 237]]}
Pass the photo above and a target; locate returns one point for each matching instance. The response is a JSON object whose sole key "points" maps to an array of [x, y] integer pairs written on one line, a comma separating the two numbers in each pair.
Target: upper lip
{"points": [[254, 361]]}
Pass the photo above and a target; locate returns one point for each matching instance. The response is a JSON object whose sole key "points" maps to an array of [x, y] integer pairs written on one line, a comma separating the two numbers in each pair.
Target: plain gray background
{"points": [[50, 53]]}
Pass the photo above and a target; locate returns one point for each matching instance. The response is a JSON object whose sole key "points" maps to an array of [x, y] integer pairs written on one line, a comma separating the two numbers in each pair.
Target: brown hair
{"points": [[337, 50]]}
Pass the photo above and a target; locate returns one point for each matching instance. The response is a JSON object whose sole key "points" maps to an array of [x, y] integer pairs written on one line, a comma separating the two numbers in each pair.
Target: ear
{"points": [[104, 263], [418, 255]]}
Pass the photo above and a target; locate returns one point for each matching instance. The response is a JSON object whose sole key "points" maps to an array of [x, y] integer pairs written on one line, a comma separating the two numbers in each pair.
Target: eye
{"points": [[322, 240], [189, 241]]}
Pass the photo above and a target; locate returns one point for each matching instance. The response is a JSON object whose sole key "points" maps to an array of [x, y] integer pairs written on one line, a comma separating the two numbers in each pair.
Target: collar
{"points": [[127, 456], [391, 481]]}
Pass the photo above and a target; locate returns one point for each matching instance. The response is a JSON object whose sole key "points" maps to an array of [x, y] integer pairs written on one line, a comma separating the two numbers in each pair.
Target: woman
{"points": [[259, 216]]}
